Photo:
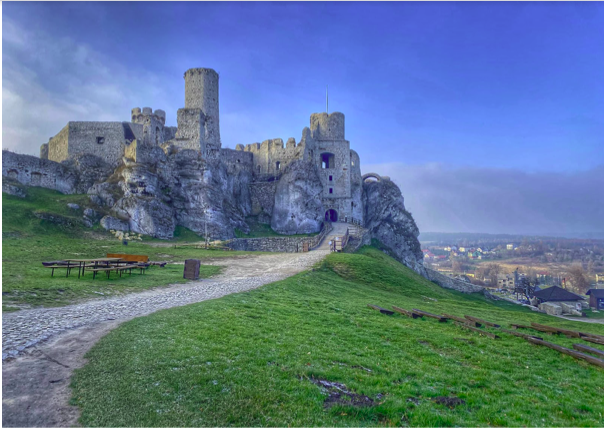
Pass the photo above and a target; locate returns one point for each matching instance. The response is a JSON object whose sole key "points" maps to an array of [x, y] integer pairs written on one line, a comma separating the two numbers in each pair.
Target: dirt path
{"points": [[42, 347]]}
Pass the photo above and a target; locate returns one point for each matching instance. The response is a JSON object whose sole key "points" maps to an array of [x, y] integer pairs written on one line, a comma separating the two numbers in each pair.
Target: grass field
{"points": [[258, 359], [27, 241]]}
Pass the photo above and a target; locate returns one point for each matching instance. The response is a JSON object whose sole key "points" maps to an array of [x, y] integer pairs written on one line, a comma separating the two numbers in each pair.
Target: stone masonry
{"points": [[151, 177]]}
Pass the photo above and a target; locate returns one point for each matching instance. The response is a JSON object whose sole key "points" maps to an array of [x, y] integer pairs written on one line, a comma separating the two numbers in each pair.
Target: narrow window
{"points": [[352, 162], [331, 178], [100, 140], [330, 190], [278, 166], [258, 168], [352, 205]]}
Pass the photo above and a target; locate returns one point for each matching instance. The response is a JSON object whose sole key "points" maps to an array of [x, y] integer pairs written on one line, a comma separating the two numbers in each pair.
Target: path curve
{"points": [[41, 347]]}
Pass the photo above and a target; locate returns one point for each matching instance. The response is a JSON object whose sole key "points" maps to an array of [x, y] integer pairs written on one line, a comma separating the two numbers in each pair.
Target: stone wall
{"points": [[271, 158], [33, 171], [452, 283], [103, 139], [58, 146], [201, 93], [325, 126], [263, 197], [44, 151], [285, 244]]}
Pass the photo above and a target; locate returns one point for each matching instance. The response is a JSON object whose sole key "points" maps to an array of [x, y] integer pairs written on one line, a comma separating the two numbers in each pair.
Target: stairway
{"points": [[339, 229]]}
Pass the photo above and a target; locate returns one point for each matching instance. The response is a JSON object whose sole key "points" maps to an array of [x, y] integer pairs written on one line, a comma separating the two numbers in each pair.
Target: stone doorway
{"points": [[331, 215]]}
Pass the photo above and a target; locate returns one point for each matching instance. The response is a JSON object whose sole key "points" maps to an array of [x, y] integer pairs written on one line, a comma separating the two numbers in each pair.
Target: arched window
{"points": [[327, 160]]}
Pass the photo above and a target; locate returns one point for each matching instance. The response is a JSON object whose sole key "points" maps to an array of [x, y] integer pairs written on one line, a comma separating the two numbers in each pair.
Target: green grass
{"points": [[246, 359], [28, 240], [589, 313]]}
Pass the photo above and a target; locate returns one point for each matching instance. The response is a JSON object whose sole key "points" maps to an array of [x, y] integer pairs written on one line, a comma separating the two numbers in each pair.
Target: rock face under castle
{"points": [[150, 178]]}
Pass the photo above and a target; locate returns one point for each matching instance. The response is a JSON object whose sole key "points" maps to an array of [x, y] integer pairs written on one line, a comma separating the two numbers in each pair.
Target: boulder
{"points": [[74, 207], [148, 216], [390, 223], [551, 308], [112, 223], [298, 208], [14, 189], [92, 214]]}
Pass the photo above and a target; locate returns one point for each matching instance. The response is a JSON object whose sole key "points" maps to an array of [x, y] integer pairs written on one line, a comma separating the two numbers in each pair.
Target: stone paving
{"points": [[26, 328]]}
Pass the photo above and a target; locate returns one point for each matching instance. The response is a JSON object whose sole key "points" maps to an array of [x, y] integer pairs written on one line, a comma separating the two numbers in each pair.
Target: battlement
{"points": [[141, 117], [325, 126]]}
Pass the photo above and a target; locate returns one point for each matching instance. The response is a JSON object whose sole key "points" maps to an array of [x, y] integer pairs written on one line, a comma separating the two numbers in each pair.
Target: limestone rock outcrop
{"points": [[390, 223], [298, 207]]}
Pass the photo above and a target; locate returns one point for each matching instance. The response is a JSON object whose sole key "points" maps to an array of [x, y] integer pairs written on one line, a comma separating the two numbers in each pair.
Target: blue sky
{"points": [[478, 90]]}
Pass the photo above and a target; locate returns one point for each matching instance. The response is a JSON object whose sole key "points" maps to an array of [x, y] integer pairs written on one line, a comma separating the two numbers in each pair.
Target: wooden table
{"points": [[82, 263]]}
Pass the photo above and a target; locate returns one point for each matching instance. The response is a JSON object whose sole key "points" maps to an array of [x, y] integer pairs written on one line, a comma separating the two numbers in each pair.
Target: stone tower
{"points": [[198, 122]]}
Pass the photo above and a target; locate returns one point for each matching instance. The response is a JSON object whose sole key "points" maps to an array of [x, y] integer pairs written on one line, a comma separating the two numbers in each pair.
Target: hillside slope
{"points": [[307, 351]]}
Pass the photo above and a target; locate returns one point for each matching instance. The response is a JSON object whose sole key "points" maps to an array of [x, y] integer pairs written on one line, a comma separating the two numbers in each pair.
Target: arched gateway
{"points": [[331, 215]]}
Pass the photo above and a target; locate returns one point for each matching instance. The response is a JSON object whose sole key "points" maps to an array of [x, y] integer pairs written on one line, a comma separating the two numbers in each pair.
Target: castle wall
{"points": [[271, 158], [103, 139], [263, 197], [190, 125], [201, 93], [33, 171], [325, 126], [58, 146], [44, 151]]}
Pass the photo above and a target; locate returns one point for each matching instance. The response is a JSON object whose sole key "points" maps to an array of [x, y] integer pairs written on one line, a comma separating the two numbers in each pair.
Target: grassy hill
{"points": [[307, 351], [28, 240]]}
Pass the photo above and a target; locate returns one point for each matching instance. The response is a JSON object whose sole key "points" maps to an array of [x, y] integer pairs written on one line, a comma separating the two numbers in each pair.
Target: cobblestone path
{"points": [[26, 328]]}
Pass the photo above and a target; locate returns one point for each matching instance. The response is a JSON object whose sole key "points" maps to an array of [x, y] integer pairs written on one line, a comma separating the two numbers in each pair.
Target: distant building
{"points": [[596, 298], [462, 249], [557, 294], [509, 247], [505, 281]]}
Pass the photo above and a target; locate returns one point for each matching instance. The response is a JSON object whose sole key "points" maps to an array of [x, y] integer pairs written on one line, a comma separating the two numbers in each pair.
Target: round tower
{"points": [[201, 92]]}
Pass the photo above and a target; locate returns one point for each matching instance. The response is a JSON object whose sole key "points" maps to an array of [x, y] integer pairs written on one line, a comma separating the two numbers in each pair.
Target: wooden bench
{"points": [[61, 267], [428, 314], [130, 257]]}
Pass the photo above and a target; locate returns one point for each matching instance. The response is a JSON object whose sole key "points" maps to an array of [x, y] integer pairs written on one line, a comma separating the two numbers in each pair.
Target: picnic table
{"points": [[82, 263], [103, 264]]}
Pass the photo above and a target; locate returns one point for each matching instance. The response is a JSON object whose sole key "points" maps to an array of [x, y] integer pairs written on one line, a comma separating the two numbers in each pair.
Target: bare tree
{"points": [[576, 274]]}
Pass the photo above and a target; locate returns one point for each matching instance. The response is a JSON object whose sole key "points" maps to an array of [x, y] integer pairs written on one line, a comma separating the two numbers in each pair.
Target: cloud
{"points": [[49, 81], [490, 200]]}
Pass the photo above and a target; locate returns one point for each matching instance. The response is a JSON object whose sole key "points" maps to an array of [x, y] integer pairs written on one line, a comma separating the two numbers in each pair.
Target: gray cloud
{"points": [[47, 82], [446, 199]]}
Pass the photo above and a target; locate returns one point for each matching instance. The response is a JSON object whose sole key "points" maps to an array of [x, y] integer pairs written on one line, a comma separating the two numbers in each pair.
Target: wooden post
{"points": [[524, 336], [574, 354], [463, 320], [380, 309], [428, 314], [406, 312], [589, 349], [477, 330], [490, 324]]}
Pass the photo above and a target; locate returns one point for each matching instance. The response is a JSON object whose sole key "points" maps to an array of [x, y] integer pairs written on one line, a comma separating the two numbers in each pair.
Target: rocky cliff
{"points": [[390, 223], [298, 207]]}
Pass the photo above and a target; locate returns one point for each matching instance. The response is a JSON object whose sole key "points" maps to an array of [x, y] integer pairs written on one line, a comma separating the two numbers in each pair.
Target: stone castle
{"points": [[148, 178]]}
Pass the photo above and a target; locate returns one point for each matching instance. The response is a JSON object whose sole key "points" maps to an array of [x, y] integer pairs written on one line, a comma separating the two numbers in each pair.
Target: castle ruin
{"points": [[148, 178]]}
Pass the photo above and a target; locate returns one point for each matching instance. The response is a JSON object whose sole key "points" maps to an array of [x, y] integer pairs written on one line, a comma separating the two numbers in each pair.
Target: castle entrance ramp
{"points": [[339, 230]]}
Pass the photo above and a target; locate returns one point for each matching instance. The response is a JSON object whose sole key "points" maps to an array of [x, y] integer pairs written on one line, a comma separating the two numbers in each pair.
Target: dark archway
{"points": [[328, 160], [331, 215]]}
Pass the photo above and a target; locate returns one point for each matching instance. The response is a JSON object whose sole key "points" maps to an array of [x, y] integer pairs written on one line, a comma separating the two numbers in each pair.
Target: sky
{"points": [[489, 116]]}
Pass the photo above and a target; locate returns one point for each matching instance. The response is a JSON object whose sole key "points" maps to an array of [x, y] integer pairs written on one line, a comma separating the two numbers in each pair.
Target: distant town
{"points": [[500, 262]]}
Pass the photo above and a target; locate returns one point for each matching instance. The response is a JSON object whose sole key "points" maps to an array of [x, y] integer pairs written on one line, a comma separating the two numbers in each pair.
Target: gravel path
{"points": [[42, 347], [26, 328]]}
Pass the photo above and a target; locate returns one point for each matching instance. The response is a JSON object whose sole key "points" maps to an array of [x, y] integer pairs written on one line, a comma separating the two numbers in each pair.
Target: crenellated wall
{"points": [[272, 157]]}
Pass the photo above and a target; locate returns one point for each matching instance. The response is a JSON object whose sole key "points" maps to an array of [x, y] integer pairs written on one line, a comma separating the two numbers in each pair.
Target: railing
{"points": [[352, 220], [325, 229], [339, 243]]}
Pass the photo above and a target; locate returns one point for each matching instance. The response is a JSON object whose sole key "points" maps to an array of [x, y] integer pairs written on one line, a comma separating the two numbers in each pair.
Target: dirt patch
{"points": [[450, 402], [42, 399], [338, 394]]}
